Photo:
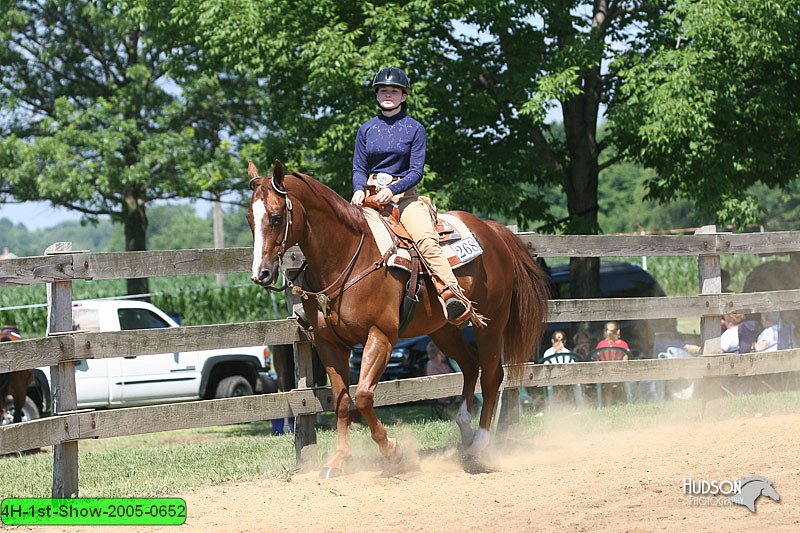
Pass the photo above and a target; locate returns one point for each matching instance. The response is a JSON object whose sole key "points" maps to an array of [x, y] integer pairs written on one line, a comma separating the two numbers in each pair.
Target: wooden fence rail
{"points": [[89, 424], [71, 346], [61, 266], [123, 265]]}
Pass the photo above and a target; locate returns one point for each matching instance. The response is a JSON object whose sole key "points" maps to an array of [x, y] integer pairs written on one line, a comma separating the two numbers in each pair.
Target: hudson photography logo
{"points": [[744, 491]]}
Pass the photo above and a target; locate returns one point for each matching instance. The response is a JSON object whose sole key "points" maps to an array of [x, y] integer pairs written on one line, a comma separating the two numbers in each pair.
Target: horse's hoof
{"points": [[473, 465], [397, 456], [330, 472]]}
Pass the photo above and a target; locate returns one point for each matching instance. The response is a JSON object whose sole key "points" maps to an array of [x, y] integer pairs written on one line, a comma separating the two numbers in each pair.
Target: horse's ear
{"points": [[278, 173], [252, 171]]}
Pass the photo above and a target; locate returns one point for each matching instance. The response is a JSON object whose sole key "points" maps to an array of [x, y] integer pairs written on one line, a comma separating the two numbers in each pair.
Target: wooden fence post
{"points": [[710, 273], [305, 434], [62, 381]]}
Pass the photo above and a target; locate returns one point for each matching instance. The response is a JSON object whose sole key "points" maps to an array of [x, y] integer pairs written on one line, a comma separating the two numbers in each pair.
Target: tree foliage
{"points": [[716, 107], [166, 99], [102, 118]]}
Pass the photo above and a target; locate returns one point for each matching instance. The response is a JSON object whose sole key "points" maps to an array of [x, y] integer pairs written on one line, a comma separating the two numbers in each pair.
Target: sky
{"points": [[41, 215], [36, 215]]}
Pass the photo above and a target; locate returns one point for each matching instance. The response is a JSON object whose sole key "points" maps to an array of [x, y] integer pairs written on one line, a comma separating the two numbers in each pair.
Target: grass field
{"points": [[172, 462]]}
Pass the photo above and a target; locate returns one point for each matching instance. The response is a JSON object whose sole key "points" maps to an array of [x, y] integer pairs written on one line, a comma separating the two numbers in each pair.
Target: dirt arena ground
{"points": [[612, 481]]}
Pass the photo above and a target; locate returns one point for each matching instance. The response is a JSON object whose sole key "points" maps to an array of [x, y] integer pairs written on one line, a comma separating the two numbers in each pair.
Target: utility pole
{"points": [[219, 233]]}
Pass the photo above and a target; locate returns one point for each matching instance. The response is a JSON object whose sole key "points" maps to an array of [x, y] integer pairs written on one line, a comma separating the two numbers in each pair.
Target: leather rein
{"points": [[322, 297]]}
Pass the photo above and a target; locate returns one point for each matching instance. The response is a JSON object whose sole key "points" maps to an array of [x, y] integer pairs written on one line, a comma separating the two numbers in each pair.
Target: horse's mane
{"points": [[349, 214]]}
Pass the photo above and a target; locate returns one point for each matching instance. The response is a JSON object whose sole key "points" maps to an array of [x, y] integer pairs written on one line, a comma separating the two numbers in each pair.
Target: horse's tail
{"points": [[530, 292]]}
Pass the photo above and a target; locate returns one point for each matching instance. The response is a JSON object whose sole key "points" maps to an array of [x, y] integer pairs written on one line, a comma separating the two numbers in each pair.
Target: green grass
{"points": [[177, 461]]}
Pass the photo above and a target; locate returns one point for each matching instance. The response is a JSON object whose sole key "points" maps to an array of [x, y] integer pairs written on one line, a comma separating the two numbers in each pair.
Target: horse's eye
{"points": [[275, 219]]}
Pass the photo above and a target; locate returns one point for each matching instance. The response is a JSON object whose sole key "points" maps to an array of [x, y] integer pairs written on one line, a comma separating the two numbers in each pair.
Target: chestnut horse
{"points": [[13, 383], [507, 286]]}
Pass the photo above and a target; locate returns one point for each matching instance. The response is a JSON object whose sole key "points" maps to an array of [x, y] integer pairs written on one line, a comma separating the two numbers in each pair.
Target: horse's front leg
{"points": [[336, 359], [373, 364]]}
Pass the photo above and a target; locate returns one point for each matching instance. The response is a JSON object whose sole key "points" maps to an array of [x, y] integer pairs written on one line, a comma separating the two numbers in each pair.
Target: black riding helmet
{"points": [[391, 76]]}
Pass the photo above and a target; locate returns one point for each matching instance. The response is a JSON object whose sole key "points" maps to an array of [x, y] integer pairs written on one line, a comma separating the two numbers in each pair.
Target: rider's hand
{"points": [[358, 198], [384, 196]]}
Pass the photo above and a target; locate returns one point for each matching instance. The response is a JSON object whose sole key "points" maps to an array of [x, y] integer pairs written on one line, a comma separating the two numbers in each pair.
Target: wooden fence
{"points": [[60, 266]]}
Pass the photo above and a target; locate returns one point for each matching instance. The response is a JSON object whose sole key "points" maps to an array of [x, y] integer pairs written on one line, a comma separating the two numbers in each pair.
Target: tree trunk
{"points": [[580, 123], [134, 220]]}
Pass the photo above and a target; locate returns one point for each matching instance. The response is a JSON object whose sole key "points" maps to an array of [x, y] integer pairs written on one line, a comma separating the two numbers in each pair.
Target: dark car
{"points": [[408, 359], [617, 280]]}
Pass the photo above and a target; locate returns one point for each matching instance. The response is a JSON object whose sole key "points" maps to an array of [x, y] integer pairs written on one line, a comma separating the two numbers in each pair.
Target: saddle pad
{"points": [[458, 252]]}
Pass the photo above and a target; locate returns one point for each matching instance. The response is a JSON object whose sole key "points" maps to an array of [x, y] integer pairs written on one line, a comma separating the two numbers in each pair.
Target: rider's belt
{"points": [[373, 186], [381, 180]]}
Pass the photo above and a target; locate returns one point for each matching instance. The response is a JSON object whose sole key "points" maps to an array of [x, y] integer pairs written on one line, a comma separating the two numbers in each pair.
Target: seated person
{"points": [[768, 339], [729, 340], [557, 339], [612, 337], [582, 343], [437, 361], [437, 364]]}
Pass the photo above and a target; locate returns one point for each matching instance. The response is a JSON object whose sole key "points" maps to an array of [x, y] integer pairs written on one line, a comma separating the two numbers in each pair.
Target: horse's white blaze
{"points": [[259, 212]]}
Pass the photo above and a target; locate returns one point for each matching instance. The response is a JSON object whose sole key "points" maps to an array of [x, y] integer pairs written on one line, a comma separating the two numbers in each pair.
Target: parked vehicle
{"points": [[407, 359], [152, 379], [617, 280]]}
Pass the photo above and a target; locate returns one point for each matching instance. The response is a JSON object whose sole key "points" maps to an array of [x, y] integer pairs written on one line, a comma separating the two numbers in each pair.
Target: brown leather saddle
{"points": [[390, 215]]}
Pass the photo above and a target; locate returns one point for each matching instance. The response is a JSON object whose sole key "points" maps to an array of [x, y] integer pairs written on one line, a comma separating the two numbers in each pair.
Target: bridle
{"points": [[288, 213]]}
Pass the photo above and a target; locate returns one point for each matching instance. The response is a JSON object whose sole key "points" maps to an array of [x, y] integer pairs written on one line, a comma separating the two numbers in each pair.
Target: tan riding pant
{"points": [[418, 218]]}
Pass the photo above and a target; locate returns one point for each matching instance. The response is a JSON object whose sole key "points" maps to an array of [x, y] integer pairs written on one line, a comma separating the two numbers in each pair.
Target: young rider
{"points": [[390, 155]]}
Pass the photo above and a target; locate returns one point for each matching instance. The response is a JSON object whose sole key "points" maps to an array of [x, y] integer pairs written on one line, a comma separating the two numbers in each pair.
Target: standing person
{"points": [[612, 337], [389, 155], [557, 339]]}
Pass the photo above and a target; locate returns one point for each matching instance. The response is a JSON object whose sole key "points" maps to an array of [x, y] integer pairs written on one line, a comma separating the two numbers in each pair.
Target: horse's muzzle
{"points": [[267, 276]]}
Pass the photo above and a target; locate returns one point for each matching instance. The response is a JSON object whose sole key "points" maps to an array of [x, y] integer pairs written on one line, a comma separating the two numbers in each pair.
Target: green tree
{"points": [[715, 108], [100, 116]]}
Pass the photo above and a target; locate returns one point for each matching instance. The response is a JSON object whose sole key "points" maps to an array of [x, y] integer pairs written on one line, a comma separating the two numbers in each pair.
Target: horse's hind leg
{"points": [[490, 349], [451, 342], [373, 364]]}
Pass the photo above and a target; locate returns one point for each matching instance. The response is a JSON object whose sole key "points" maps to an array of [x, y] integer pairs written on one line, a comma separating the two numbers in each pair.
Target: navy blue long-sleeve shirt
{"points": [[395, 145]]}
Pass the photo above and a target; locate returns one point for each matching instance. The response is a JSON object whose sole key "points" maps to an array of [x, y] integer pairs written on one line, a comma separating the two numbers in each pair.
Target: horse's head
{"points": [[270, 218]]}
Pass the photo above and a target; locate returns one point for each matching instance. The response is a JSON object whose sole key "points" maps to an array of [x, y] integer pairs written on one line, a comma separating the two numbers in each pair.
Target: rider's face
{"points": [[390, 97]]}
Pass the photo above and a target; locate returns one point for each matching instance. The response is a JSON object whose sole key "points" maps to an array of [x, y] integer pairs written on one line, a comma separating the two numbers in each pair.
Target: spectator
{"points": [[582, 343], [729, 341], [437, 361], [437, 364], [612, 337], [558, 340], [768, 339]]}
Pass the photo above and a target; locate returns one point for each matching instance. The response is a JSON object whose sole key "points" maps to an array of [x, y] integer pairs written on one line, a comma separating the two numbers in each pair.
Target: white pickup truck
{"points": [[151, 379]]}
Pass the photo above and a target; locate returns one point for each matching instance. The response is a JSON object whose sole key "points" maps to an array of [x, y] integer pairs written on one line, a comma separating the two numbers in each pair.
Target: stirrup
{"points": [[458, 309]]}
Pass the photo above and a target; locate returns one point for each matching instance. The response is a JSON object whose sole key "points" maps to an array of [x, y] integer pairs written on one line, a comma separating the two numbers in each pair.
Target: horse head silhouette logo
{"points": [[752, 488]]}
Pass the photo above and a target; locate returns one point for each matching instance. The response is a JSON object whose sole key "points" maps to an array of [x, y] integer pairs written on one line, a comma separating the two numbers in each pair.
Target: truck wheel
{"points": [[233, 386]]}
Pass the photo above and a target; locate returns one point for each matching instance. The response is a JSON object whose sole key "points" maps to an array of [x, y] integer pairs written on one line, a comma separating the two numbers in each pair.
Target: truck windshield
{"points": [[140, 319]]}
